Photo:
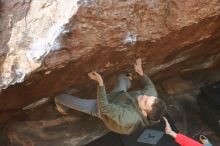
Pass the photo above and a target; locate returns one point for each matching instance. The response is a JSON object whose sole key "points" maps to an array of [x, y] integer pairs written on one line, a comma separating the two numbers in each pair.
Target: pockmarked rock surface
{"points": [[49, 46], [44, 126], [177, 85]]}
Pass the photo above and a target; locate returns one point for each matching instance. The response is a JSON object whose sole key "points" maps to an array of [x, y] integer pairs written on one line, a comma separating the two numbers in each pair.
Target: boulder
{"points": [[49, 46]]}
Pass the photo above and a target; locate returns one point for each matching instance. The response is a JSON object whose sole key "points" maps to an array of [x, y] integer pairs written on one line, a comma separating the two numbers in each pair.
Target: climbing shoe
{"points": [[205, 140], [129, 73], [61, 109]]}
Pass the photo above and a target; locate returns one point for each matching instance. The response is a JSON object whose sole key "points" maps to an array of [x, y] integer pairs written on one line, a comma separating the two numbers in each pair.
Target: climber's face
{"points": [[145, 103]]}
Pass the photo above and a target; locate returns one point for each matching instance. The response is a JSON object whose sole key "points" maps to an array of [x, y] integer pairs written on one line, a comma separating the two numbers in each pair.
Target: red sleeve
{"points": [[186, 141]]}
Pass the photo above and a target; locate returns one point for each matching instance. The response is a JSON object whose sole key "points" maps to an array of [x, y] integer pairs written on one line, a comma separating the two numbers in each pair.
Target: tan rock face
{"points": [[172, 37]]}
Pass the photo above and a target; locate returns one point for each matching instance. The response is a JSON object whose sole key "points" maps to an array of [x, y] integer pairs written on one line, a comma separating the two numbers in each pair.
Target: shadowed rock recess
{"points": [[49, 46]]}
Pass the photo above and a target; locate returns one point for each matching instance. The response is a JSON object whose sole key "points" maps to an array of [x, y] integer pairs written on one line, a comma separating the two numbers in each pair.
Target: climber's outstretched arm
{"points": [[148, 85]]}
